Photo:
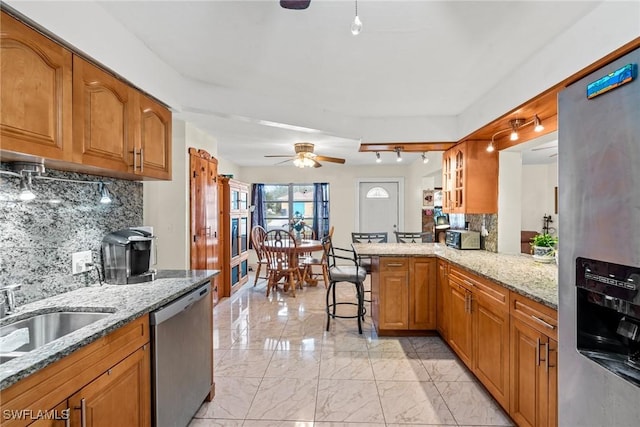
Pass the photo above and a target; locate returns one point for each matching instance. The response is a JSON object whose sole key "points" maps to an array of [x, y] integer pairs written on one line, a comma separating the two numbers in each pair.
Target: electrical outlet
{"points": [[81, 262]]}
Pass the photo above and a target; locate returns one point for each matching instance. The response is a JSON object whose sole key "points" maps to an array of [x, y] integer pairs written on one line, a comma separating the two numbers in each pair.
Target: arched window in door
{"points": [[377, 193]]}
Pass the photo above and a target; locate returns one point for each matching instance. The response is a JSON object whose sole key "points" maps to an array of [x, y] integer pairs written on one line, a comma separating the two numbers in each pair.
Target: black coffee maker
{"points": [[608, 316], [127, 256]]}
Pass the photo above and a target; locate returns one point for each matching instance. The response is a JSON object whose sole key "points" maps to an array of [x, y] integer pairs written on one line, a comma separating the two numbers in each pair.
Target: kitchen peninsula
{"points": [[497, 312]]}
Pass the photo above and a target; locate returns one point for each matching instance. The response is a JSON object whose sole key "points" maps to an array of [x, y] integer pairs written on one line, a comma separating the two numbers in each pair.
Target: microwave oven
{"points": [[463, 239]]}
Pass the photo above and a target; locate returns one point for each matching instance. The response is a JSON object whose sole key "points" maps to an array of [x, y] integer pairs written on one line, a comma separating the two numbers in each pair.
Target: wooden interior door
{"points": [[35, 94], [198, 168]]}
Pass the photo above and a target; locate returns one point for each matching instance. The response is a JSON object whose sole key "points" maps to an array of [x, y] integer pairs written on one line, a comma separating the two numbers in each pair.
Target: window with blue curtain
{"points": [[279, 205]]}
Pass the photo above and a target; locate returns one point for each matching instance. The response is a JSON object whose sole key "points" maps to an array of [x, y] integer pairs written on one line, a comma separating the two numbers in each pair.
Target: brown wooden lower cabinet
{"points": [[404, 294], [118, 397], [110, 378], [534, 375], [508, 341]]}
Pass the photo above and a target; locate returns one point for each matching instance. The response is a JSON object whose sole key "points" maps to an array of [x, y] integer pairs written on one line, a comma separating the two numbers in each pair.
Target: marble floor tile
{"points": [[276, 365], [470, 404], [243, 363], [413, 402], [348, 401], [294, 364], [232, 400], [346, 365], [258, 339], [284, 399], [207, 422], [388, 366], [445, 367]]}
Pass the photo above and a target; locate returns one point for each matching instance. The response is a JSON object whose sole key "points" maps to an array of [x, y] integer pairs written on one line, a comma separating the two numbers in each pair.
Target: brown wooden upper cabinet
{"points": [[116, 126], [35, 100], [59, 107], [469, 179]]}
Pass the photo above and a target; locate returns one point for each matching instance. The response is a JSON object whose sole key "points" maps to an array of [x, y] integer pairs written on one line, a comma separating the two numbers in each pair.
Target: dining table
{"points": [[303, 247]]}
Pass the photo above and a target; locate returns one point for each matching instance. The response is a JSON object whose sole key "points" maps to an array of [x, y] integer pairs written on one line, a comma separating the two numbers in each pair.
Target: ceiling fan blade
{"points": [[279, 155], [284, 161], [543, 148], [316, 164], [295, 4], [553, 155], [329, 159]]}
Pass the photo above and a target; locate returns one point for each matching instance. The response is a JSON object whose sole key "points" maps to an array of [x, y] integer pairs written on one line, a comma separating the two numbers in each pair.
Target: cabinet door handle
{"points": [[394, 264], [67, 421], [142, 160], [135, 164], [538, 352], [83, 412], [547, 351], [542, 322], [469, 283]]}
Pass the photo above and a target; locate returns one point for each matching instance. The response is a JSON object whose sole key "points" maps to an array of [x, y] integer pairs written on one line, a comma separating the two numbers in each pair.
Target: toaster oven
{"points": [[463, 239]]}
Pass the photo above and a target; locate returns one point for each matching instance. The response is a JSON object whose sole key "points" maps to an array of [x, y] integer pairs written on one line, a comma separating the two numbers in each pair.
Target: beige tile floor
{"points": [[275, 365]]}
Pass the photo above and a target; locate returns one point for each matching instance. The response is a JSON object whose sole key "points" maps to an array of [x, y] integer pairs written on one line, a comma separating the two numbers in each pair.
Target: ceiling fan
{"points": [[305, 157], [555, 147]]}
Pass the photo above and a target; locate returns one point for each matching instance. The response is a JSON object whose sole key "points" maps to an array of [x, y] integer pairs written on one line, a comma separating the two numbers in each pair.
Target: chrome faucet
{"points": [[8, 299]]}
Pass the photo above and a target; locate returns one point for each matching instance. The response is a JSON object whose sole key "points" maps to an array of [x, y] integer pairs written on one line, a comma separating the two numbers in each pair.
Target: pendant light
{"points": [[398, 155], [356, 25], [378, 159], [537, 123], [425, 159]]}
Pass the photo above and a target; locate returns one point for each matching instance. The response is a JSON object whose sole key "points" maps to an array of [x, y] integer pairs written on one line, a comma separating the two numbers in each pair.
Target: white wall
{"points": [[538, 195], [509, 202], [166, 203]]}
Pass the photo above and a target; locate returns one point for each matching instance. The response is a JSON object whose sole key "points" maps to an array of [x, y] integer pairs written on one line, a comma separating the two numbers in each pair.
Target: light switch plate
{"points": [[81, 262]]}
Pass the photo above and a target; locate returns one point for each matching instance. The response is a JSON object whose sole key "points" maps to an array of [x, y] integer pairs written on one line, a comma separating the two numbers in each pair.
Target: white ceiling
{"points": [[412, 59]]}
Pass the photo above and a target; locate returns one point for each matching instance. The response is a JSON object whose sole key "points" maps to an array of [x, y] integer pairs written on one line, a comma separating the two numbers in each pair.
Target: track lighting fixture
{"points": [[378, 159], [26, 193], [537, 123], [514, 126], [27, 171], [425, 159], [356, 25], [105, 196], [398, 155]]}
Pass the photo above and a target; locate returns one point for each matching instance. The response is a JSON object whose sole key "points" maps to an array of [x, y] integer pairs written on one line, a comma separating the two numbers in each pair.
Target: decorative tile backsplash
{"points": [[37, 237], [490, 242]]}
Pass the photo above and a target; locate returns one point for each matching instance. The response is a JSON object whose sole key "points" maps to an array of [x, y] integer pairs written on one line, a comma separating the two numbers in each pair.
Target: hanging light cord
{"points": [[356, 7]]}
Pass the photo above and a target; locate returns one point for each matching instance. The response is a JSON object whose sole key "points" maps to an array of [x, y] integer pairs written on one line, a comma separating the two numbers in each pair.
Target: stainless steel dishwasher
{"points": [[182, 346]]}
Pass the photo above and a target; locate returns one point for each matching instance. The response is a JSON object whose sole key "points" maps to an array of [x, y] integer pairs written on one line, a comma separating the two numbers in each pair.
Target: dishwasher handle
{"points": [[179, 305]]}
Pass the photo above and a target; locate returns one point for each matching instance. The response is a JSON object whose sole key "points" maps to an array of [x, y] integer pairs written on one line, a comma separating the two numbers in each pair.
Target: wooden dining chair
{"points": [[257, 237], [410, 236], [280, 249]]}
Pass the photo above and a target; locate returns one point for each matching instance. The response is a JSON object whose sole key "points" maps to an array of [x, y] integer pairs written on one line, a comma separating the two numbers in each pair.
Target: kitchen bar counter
{"points": [[126, 302], [519, 273]]}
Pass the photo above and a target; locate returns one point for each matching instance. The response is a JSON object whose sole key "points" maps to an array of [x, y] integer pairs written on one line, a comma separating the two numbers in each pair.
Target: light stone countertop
{"points": [[519, 273], [126, 302]]}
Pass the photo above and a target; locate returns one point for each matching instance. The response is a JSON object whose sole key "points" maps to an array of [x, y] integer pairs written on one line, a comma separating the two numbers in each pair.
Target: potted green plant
{"points": [[544, 247]]}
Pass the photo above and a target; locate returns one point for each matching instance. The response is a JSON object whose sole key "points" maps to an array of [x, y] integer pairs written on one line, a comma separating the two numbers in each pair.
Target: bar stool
{"points": [[344, 274]]}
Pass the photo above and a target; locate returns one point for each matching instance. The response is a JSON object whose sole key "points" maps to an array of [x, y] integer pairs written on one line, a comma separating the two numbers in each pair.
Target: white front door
{"points": [[379, 207]]}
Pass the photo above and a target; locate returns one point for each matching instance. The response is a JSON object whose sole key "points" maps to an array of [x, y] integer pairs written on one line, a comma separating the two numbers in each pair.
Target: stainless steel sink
{"points": [[25, 335]]}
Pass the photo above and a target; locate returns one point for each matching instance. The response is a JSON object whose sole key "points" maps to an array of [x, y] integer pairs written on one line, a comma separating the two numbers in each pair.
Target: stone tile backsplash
{"points": [[38, 237]]}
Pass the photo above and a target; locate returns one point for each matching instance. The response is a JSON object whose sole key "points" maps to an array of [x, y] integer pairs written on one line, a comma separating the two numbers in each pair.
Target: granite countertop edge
{"points": [[125, 302], [516, 272]]}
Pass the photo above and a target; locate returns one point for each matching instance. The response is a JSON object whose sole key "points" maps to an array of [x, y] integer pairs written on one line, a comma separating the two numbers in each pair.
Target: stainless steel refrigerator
{"points": [[599, 248]]}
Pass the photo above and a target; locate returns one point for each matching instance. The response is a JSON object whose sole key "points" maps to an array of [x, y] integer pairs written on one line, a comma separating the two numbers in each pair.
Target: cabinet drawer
{"points": [[536, 315], [462, 276], [394, 264]]}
